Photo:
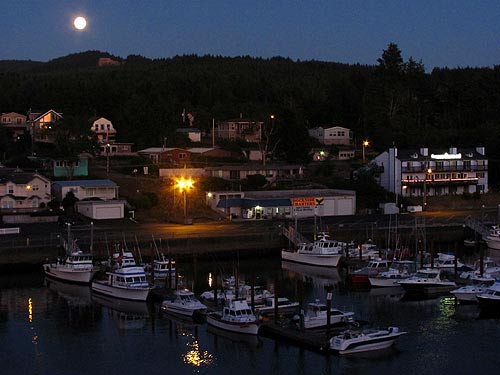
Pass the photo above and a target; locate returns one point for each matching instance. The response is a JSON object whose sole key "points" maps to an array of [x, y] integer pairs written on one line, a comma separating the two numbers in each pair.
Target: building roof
{"points": [[415, 154], [17, 176], [249, 203], [200, 150], [87, 183], [158, 150], [256, 167]]}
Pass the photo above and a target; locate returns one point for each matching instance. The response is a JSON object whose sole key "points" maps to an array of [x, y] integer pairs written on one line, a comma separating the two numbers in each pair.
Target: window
{"points": [[35, 187], [182, 155], [10, 189]]}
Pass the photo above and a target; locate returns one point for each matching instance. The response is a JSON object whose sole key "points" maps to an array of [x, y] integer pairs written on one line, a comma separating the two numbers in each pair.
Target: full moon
{"points": [[80, 23]]}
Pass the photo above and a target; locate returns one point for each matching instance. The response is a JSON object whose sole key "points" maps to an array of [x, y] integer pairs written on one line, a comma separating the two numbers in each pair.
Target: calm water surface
{"points": [[55, 328]]}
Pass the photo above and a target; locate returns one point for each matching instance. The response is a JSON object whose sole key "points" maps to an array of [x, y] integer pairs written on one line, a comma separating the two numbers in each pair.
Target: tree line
{"points": [[392, 102]]}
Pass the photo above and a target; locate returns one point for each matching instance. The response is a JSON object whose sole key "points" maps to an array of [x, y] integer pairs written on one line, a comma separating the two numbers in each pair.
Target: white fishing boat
{"points": [[349, 342], [491, 298], [365, 251], [445, 262], [75, 266], [322, 252], [468, 293], [316, 315], [285, 306], [236, 316], [126, 280], [427, 281], [373, 268], [399, 270], [492, 239], [184, 303], [161, 268]]}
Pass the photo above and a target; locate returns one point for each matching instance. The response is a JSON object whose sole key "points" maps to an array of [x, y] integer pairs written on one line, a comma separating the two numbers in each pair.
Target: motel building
{"points": [[424, 172], [282, 204]]}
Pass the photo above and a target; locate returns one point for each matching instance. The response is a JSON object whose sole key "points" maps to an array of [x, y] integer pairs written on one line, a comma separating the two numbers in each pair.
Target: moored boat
{"points": [[126, 280], [184, 303], [350, 342], [284, 306], [493, 238], [316, 315], [427, 282], [76, 266], [468, 293], [236, 316], [491, 298], [323, 252], [373, 268], [399, 270]]}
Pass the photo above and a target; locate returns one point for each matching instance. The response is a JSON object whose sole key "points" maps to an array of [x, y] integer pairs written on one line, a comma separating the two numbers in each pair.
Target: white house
{"points": [[335, 135], [423, 172], [104, 130], [23, 191], [86, 189]]}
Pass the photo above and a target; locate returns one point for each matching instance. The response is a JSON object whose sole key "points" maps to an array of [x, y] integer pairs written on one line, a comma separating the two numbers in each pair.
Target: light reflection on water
{"points": [[75, 330]]}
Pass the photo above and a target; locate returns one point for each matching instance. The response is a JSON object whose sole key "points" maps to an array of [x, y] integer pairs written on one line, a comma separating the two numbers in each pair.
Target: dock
{"points": [[317, 339]]}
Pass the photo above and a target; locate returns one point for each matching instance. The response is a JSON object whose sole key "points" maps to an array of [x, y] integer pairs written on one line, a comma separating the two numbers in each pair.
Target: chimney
{"points": [[480, 150], [453, 150], [424, 151]]}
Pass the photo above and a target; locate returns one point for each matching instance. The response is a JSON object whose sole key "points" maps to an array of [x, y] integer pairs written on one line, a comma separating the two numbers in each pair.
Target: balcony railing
{"points": [[448, 168]]}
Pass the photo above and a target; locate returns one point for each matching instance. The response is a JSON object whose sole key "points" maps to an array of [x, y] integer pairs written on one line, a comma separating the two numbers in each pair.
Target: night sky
{"points": [[452, 33]]}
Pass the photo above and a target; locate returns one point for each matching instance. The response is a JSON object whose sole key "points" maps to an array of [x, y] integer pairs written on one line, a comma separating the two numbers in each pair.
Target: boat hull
{"points": [[249, 328], [360, 347], [427, 289], [69, 275], [311, 259], [379, 282], [134, 294], [493, 243], [488, 303], [174, 309]]}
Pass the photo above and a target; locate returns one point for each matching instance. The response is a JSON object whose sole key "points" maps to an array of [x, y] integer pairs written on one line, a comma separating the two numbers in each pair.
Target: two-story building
{"points": [[104, 130], [239, 128], [424, 172], [40, 124], [23, 191], [15, 122], [335, 135]]}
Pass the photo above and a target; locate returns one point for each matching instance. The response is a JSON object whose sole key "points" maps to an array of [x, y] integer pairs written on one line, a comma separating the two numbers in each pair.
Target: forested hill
{"points": [[391, 102]]}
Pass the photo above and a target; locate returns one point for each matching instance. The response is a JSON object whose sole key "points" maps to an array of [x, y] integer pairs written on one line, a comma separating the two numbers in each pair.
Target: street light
{"points": [[184, 185], [428, 173], [108, 149], [365, 145]]}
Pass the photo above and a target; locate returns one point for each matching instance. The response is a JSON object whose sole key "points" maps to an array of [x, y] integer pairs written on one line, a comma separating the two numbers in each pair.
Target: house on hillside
{"points": [[423, 172], [160, 155], [15, 122], [239, 128], [41, 122], [335, 135], [97, 199], [272, 173], [104, 130], [23, 191]]}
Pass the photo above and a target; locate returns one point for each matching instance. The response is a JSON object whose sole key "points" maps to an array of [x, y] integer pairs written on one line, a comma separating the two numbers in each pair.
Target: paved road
{"points": [[47, 234]]}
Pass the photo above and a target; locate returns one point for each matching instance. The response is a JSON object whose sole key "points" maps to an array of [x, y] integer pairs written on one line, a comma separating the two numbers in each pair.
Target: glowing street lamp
{"points": [[184, 185], [365, 145]]}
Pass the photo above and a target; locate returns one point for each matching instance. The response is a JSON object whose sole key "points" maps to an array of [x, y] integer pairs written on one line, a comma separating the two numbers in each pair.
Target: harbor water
{"points": [[49, 327]]}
